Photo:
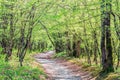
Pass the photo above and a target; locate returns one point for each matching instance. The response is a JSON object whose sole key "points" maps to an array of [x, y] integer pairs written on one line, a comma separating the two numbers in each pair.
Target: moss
{"points": [[112, 76]]}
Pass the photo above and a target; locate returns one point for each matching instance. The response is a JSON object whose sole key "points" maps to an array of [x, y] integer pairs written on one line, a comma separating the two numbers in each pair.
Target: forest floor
{"points": [[60, 69]]}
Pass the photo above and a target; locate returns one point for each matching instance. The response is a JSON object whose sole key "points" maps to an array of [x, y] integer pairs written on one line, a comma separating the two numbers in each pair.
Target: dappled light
{"points": [[59, 39]]}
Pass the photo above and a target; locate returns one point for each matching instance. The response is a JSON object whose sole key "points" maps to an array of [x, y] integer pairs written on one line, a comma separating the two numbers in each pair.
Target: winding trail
{"points": [[55, 69]]}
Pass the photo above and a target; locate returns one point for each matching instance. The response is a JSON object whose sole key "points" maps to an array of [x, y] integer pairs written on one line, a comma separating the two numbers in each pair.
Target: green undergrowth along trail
{"points": [[12, 71]]}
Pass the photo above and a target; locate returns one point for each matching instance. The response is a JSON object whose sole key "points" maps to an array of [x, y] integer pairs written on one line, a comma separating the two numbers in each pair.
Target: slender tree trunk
{"points": [[10, 41], [95, 47]]}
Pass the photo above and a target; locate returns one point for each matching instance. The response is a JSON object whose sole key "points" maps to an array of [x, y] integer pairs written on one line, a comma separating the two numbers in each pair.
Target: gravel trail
{"points": [[54, 69]]}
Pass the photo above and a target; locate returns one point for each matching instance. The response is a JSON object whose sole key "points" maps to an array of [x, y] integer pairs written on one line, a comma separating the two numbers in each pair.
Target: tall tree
{"points": [[106, 47]]}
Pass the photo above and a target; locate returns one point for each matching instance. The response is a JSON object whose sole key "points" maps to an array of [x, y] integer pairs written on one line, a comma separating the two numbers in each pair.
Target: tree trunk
{"points": [[106, 47]]}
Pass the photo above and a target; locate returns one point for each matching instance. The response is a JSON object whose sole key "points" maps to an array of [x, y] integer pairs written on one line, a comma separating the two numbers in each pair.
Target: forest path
{"points": [[59, 69]]}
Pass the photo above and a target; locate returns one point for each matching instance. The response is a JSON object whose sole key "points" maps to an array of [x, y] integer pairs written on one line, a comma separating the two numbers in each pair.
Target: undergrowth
{"points": [[12, 71], [60, 55]]}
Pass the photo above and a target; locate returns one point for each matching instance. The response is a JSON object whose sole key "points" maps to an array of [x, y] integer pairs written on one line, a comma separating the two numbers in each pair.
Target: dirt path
{"points": [[60, 69]]}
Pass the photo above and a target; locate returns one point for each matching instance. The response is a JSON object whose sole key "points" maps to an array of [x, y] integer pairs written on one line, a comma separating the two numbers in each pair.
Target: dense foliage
{"points": [[87, 29]]}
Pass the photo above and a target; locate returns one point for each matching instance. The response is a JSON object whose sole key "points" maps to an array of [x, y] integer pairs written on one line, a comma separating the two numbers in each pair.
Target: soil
{"points": [[60, 69]]}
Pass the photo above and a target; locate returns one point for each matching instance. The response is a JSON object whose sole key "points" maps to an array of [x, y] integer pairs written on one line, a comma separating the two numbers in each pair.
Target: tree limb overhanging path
{"points": [[57, 69]]}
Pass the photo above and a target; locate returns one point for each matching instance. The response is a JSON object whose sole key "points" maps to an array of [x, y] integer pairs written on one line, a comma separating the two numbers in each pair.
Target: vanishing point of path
{"points": [[54, 68]]}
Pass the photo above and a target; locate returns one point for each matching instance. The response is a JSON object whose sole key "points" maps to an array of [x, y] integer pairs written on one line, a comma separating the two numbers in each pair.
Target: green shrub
{"points": [[61, 54], [20, 73], [9, 72]]}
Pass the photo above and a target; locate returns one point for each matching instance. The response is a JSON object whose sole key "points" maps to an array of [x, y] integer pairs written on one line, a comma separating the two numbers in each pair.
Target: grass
{"points": [[12, 71]]}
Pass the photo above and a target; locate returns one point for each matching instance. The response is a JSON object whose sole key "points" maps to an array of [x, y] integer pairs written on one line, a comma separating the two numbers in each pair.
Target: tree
{"points": [[8, 27], [106, 47]]}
